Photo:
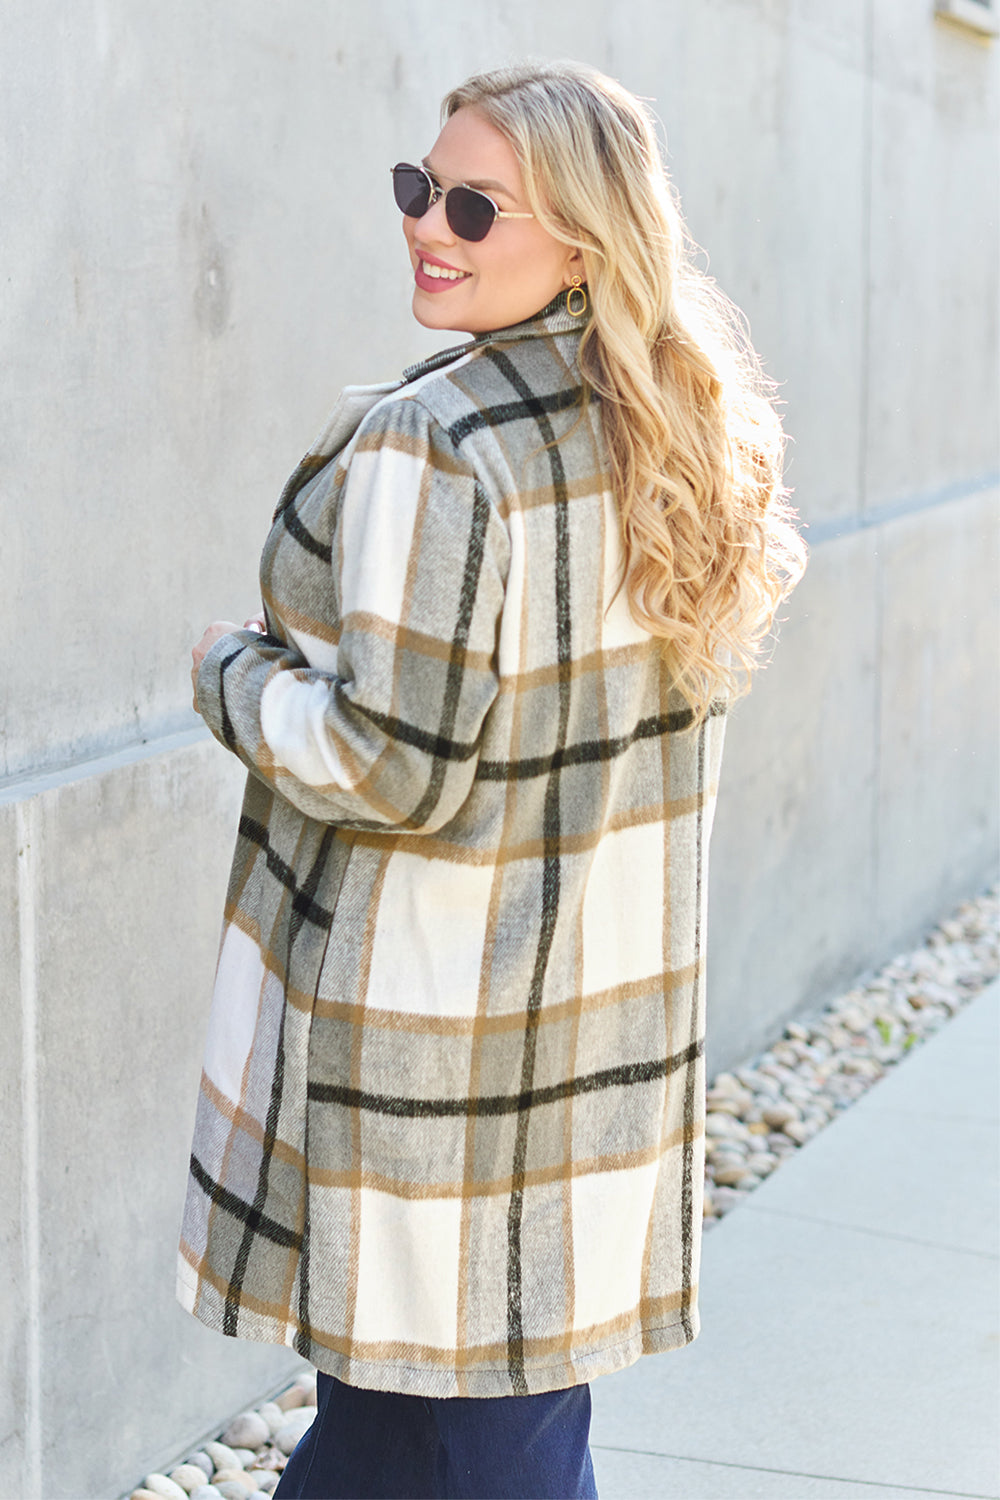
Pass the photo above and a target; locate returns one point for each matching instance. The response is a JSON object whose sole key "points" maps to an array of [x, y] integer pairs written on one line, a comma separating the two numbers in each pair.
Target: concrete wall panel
{"points": [[792, 862], [129, 876], [938, 801], [16, 1223], [764, 113], [933, 406]]}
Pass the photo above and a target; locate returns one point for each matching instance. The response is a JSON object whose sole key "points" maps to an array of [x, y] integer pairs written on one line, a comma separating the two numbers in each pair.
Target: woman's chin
{"points": [[430, 314]]}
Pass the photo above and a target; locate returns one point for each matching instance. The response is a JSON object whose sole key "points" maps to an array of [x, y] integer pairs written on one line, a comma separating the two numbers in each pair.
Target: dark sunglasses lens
{"points": [[412, 190], [470, 214]]}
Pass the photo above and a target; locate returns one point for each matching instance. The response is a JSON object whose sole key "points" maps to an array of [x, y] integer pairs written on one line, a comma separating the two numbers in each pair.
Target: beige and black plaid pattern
{"points": [[451, 1127]]}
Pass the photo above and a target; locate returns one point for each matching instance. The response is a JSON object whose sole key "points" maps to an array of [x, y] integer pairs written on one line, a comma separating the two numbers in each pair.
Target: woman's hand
{"points": [[215, 630]]}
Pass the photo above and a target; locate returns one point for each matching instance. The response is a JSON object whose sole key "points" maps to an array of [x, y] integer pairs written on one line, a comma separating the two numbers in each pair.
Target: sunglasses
{"points": [[470, 214]]}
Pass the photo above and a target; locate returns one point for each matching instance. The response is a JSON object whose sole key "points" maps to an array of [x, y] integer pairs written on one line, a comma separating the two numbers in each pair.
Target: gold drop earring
{"points": [[576, 290]]}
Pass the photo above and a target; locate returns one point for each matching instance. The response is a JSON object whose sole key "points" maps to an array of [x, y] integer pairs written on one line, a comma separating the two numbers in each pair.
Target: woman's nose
{"points": [[435, 221]]}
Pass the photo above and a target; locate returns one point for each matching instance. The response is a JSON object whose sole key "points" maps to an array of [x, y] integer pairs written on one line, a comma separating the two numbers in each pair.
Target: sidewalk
{"points": [[849, 1345]]}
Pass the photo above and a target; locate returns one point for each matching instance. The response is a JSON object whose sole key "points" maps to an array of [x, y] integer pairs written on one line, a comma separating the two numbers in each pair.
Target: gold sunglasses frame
{"points": [[437, 191]]}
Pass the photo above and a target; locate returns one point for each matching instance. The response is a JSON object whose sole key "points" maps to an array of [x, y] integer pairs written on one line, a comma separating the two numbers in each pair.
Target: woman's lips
{"points": [[437, 283]]}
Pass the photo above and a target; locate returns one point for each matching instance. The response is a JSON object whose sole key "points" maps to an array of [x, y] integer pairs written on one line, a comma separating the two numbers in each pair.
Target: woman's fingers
{"points": [[198, 653]]}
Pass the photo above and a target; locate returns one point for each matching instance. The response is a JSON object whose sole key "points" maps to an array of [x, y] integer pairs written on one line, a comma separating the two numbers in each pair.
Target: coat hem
{"points": [[575, 1367]]}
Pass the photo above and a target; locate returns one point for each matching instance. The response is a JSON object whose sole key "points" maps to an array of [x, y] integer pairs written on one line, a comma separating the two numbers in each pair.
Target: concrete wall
{"points": [[200, 249], [860, 782]]}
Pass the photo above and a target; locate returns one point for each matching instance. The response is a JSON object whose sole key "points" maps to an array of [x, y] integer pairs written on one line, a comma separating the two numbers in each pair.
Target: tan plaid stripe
{"points": [[451, 1129]]}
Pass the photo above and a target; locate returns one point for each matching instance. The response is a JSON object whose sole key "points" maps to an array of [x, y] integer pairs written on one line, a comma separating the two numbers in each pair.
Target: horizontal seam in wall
{"points": [[818, 532], [36, 783]]}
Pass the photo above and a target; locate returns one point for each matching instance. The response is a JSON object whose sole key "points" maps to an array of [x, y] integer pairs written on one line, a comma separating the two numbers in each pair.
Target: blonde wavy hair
{"points": [[694, 441]]}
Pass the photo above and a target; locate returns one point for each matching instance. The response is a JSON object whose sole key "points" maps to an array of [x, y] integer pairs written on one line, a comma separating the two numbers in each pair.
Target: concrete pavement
{"points": [[849, 1343]]}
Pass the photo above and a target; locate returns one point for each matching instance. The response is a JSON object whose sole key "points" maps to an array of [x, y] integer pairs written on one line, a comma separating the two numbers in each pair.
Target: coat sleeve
{"points": [[390, 738]]}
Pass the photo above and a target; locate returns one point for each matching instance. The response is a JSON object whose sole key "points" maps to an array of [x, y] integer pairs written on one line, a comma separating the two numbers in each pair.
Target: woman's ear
{"points": [[574, 267]]}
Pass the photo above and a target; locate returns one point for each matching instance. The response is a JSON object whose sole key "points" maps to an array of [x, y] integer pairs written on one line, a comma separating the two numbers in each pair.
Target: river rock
{"points": [[143, 1494], [268, 1458], [232, 1489], [266, 1480], [733, 1090], [248, 1430], [797, 1093], [190, 1475], [726, 1105], [777, 1071], [273, 1415], [237, 1476], [726, 1145], [778, 1116], [289, 1435], [202, 1461], [726, 1198], [166, 1488], [725, 1125], [862, 1067], [726, 1164], [762, 1162], [727, 1173], [206, 1492], [290, 1399], [222, 1456], [726, 1083]]}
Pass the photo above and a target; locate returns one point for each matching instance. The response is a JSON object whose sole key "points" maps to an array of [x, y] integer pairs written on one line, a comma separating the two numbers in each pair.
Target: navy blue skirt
{"points": [[379, 1445]]}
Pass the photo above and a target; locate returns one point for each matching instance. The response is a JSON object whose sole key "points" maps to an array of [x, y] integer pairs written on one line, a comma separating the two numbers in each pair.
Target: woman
{"points": [[450, 1136]]}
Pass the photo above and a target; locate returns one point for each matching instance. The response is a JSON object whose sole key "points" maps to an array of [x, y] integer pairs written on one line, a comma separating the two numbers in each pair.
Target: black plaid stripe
{"points": [[308, 469], [529, 408], [246, 1213], [551, 873], [484, 1106], [688, 1227], [305, 908], [587, 752]]}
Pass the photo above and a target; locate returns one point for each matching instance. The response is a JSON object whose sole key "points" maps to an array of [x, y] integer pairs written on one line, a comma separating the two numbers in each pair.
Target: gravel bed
{"points": [[768, 1108], [246, 1461], [757, 1115]]}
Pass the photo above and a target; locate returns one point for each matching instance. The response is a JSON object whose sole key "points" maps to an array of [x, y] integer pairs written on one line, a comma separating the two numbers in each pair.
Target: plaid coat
{"points": [[450, 1136]]}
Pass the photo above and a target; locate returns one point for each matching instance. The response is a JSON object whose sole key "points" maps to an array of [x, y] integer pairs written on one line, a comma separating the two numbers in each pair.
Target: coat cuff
{"points": [[209, 685]]}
